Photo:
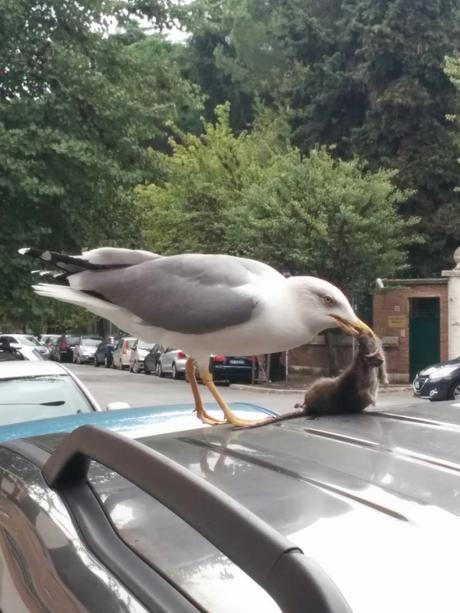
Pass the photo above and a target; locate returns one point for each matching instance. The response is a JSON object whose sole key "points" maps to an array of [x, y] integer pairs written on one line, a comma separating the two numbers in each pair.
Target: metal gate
{"points": [[424, 333]]}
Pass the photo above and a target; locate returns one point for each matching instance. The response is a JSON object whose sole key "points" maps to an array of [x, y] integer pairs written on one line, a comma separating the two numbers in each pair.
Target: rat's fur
{"points": [[351, 392]]}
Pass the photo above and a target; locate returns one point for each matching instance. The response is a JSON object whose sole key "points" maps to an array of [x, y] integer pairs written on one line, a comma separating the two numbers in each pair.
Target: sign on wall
{"points": [[397, 321]]}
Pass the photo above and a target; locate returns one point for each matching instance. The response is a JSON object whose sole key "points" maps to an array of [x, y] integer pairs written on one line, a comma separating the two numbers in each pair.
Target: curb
{"points": [[274, 390]]}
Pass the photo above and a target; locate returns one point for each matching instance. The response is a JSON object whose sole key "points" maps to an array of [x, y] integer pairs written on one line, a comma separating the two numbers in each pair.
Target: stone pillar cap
{"points": [[455, 272], [457, 257]]}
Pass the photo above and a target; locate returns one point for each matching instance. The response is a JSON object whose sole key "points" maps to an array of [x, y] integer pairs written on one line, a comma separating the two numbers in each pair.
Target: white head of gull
{"points": [[201, 303]]}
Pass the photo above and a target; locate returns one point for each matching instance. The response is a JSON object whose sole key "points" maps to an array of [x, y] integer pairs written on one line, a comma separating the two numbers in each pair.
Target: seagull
{"points": [[202, 303]]}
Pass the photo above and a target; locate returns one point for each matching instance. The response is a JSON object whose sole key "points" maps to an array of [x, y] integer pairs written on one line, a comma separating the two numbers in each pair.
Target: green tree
{"points": [[79, 113], [363, 75], [253, 195], [210, 58]]}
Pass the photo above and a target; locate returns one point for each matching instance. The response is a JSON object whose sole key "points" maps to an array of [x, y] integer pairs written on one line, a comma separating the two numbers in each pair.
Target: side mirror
{"points": [[115, 406]]}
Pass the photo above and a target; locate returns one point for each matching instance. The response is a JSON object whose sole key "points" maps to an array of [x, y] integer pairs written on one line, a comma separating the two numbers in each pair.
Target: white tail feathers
{"points": [[72, 296], [118, 315]]}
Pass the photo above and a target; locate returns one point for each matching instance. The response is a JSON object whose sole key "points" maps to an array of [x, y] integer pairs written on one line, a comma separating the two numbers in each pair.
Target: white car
{"points": [[122, 355], [28, 345], [138, 352], [85, 349], [40, 390], [171, 362]]}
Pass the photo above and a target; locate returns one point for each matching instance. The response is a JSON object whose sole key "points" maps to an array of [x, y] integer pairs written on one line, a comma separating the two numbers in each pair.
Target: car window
{"points": [[144, 346], [72, 340], [92, 342], [131, 342], [28, 340], [9, 339], [21, 398]]}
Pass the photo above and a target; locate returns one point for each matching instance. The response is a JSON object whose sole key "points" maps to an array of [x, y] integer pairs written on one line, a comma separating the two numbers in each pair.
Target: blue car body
{"points": [[152, 420]]}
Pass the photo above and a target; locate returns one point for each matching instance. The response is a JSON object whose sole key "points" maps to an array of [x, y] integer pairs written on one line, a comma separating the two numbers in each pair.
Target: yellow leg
{"points": [[230, 417], [199, 408]]}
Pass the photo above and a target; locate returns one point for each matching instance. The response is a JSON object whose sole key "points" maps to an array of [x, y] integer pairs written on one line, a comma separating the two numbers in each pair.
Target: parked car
{"points": [[439, 381], [138, 352], [234, 369], [63, 349], [104, 352], [28, 341], [171, 362], [85, 348], [122, 353], [48, 339], [152, 357], [10, 352], [38, 390], [290, 517]]}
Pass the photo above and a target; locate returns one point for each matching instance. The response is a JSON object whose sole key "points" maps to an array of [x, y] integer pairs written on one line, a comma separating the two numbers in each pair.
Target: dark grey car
{"points": [[216, 519]]}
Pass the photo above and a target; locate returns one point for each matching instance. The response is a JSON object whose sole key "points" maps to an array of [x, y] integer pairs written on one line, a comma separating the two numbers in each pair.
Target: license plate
{"points": [[236, 362], [417, 385]]}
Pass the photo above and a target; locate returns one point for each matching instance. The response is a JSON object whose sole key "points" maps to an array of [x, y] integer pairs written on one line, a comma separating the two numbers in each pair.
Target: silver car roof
{"points": [[372, 498], [26, 368]]}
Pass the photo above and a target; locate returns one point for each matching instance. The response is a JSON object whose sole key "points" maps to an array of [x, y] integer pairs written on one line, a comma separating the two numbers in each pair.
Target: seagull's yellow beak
{"points": [[353, 328]]}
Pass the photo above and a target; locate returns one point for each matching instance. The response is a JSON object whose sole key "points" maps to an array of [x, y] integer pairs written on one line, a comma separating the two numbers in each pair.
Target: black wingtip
{"points": [[70, 263]]}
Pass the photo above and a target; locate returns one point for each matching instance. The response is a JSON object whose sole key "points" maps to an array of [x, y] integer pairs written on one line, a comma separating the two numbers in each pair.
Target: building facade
{"points": [[411, 318]]}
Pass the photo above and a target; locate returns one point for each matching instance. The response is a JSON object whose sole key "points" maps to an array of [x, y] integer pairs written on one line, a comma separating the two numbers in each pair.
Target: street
{"points": [[109, 385]]}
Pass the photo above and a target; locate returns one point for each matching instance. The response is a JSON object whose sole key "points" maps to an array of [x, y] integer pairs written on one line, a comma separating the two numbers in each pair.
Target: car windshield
{"points": [[28, 340], [21, 398], [145, 346], [92, 342]]}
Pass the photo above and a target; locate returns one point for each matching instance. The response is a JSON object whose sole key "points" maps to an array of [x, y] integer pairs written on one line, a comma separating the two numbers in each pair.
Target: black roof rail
{"points": [[295, 582]]}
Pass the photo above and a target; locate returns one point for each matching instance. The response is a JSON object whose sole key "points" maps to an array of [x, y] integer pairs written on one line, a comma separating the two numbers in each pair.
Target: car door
{"points": [[168, 359], [76, 350], [152, 358], [134, 355], [116, 353], [99, 352]]}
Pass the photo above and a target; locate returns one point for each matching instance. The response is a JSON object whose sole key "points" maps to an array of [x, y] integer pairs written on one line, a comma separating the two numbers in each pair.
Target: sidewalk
{"points": [[293, 388]]}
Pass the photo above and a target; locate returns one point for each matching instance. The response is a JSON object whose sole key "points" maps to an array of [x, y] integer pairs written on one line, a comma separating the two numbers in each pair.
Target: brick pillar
{"points": [[453, 306]]}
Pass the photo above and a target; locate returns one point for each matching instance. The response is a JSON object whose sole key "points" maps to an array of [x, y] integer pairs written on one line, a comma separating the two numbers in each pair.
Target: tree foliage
{"points": [[79, 112], [339, 125], [363, 75], [253, 195]]}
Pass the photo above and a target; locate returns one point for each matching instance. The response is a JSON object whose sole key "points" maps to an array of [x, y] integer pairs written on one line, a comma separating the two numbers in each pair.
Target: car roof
{"points": [[18, 335], [26, 368], [367, 496]]}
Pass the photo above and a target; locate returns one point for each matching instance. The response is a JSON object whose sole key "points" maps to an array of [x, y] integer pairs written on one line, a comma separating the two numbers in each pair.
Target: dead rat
{"points": [[351, 392]]}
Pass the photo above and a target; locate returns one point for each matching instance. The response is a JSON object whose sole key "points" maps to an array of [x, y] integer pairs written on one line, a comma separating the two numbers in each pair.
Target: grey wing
{"points": [[190, 293]]}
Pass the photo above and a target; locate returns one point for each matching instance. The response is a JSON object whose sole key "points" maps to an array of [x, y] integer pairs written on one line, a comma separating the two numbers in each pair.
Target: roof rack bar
{"points": [[294, 581]]}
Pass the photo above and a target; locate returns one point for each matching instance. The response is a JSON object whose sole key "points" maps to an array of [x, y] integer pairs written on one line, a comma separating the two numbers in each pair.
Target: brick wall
{"points": [[391, 320], [391, 324]]}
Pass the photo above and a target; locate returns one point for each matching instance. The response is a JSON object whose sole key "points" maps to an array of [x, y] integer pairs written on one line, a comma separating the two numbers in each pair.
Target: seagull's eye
{"points": [[329, 301]]}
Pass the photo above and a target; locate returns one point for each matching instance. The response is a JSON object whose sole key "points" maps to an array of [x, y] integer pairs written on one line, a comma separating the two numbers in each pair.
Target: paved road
{"points": [[108, 385]]}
